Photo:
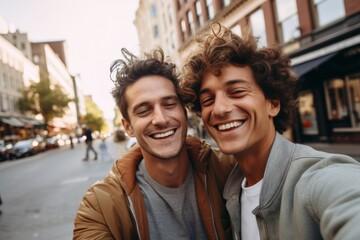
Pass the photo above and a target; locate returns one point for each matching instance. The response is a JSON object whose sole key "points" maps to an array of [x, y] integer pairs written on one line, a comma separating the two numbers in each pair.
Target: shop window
{"points": [[288, 21], [308, 113], [354, 92], [258, 29], [336, 99], [328, 11]]}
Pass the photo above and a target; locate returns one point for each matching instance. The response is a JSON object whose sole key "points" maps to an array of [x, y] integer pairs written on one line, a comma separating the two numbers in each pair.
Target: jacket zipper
{"points": [[211, 210], [133, 213]]}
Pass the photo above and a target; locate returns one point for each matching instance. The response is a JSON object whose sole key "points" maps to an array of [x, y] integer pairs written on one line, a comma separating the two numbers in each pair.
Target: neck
{"points": [[169, 172], [252, 162]]}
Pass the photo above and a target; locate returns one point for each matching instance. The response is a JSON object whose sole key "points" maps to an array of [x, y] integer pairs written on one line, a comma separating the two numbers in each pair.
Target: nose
{"points": [[159, 116], [222, 106]]}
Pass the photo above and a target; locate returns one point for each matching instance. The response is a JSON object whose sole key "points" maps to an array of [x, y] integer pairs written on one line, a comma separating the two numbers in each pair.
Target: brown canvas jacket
{"points": [[114, 208]]}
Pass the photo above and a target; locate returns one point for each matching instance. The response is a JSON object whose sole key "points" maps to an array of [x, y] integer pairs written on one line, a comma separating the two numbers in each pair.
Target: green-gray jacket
{"points": [[306, 194]]}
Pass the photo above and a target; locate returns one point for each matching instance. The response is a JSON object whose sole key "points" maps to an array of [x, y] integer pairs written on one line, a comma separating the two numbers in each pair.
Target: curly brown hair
{"points": [[128, 71], [271, 68]]}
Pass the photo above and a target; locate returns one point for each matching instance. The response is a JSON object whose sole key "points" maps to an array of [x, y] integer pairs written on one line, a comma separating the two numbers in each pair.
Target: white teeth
{"points": [[229, 125], [163, 135]]}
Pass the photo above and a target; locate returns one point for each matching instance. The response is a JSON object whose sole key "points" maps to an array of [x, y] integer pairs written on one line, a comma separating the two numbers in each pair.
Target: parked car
{"points": [[24, 148], [53, 142], [5, 150], [41, 143]]}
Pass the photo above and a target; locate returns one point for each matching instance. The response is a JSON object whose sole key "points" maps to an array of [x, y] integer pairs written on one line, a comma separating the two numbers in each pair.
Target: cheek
{"points": [[205, 114]]}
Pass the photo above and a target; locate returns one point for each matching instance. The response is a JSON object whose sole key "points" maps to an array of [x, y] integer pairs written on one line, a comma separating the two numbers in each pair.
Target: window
{"points": [[36, 59], [153, 10], [156, 31], [172, 37], [183, 29], [308, 113], [6, 83], [257, 24], [191, 23], [236, 29], [199, 13], [169, 14], [210, 9], [354, 92], [287, 19], [336, 99], [226, 2], [328, 11], [165, 25]]}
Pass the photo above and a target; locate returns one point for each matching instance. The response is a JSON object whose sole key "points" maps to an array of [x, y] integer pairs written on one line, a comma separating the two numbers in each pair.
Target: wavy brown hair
{"points": [[127, 71], [271, 69]]}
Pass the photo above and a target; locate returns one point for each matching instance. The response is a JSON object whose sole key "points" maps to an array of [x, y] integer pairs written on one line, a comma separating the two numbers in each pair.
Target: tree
{"points": [[94, 117], [45, 99]]}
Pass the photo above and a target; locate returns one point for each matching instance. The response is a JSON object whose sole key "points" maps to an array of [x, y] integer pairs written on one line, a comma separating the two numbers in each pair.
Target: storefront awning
{"points": [[304, 68], [30, 122], [11, 121]]}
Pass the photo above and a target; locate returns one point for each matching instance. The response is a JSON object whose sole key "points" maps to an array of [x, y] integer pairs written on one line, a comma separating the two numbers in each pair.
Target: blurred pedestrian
{"points": [[89, 146], [0, 204], [104, 153]]}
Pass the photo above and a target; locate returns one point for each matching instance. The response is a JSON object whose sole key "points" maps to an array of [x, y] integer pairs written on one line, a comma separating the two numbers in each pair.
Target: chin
{"points": [[228, 148]]}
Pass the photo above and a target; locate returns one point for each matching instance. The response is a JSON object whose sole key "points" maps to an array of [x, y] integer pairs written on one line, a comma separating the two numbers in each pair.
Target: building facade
{"points": [[53, 67], [156, 27], [321, 37]]}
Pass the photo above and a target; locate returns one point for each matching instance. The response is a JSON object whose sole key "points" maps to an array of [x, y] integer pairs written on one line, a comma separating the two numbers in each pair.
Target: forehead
{"points": [[148, 89], [229, 74]]}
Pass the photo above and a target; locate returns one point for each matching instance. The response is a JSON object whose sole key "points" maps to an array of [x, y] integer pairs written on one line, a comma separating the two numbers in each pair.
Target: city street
{"points": [[41, 193]]}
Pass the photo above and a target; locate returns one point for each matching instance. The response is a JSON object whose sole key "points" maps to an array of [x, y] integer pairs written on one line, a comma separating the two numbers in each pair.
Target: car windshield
{"points": [[23, 143]]}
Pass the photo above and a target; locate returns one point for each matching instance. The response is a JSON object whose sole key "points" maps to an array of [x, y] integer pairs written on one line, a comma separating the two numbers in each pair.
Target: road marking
{"points": [[74, 180]]}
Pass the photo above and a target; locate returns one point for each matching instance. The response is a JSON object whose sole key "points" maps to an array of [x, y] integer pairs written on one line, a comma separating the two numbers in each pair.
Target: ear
{"points": [[274, 107], [128, 128]]}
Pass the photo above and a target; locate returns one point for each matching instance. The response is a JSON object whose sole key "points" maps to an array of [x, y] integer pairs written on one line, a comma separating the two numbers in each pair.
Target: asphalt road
{"points": [[41, 193]]}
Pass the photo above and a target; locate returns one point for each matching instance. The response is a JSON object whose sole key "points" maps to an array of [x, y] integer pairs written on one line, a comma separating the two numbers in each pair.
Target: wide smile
{"points": [[163, 134], [229, 126]]}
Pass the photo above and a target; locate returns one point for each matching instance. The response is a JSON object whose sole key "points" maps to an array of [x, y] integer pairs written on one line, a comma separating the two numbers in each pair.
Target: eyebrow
{"points": [[146, 103], [228, 83]]}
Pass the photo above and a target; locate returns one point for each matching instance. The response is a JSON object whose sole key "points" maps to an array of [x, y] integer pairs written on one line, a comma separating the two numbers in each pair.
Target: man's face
{"points": [[235, 111], [157, 118]]}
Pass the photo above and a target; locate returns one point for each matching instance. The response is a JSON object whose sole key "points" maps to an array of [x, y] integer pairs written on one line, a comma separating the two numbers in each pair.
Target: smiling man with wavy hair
{"points": [[279, 190]]}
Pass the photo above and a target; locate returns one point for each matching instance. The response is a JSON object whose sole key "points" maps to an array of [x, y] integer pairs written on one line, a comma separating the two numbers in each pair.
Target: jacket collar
{"points": [[276, 169], [277, 166], [127, 165]]}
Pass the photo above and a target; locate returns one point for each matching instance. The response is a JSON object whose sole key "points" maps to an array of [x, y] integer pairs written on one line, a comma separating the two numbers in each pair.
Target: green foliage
{"points": [[42, 97], [94, 122], [94, 117]]}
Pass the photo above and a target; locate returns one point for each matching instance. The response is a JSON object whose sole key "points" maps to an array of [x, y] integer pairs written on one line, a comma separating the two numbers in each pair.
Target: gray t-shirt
{"points": [[172, 213]]}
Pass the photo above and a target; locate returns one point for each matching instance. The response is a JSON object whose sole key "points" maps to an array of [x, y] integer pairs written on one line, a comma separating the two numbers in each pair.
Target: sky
{"points": [[94, 31]]}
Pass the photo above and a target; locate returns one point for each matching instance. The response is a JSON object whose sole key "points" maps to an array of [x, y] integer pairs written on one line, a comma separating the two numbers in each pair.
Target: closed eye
{"points": [[142, 112], [206, 101], [237, 92]]}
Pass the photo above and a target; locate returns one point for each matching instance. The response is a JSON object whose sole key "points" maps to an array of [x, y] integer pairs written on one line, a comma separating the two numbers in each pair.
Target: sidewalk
{"points": [[352, 150]]}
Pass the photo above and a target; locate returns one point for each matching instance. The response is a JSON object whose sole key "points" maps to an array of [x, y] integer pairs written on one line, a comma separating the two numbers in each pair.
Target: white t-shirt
{"points": [[249, 201]]}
